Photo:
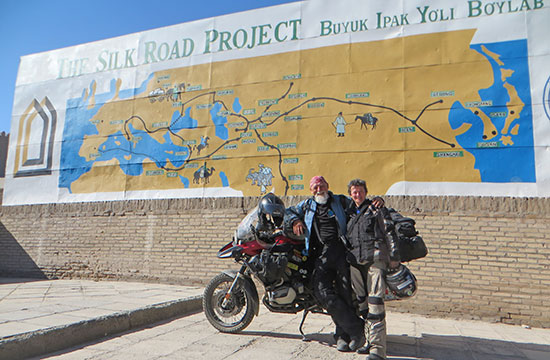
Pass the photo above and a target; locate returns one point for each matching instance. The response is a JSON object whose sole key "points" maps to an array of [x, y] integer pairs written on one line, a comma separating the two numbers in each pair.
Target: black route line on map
{"points": [[259, 137], [415, 123], [248, 122], [350, 102], [259, 119], [169, 127]]}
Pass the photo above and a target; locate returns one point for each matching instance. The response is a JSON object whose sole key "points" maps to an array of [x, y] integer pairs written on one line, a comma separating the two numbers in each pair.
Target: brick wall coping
{"points": [[457, 205]]}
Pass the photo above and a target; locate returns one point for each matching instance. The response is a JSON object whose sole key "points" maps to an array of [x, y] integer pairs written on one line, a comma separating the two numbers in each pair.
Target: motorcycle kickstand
{"points": [[304, 338]]}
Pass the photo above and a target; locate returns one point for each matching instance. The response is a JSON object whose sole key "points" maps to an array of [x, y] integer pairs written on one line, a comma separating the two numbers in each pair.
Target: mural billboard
{"points": [[441, 98]]}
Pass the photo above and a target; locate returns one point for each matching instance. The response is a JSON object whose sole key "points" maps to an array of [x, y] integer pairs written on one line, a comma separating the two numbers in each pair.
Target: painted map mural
{"points": [[447, 98]]}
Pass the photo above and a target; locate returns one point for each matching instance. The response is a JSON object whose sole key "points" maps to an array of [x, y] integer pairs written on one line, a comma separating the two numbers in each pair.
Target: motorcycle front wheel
{"points": [[237, 312]]}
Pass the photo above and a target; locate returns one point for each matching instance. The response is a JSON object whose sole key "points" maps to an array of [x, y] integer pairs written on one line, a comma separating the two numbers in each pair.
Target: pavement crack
{"points": [[46, 292], [11, 292], [243, 346], [305, 345], [254, 340]]}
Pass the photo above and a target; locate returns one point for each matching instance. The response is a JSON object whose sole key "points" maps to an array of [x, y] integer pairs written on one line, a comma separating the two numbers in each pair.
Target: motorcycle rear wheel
{"points": [[238, 312]]}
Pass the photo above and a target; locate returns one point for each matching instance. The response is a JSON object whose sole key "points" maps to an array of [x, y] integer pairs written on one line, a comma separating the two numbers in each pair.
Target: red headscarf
{"points": [[317, 179]]}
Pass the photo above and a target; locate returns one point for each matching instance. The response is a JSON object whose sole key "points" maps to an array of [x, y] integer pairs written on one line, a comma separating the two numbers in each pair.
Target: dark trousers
{"points": [[332, 286]]}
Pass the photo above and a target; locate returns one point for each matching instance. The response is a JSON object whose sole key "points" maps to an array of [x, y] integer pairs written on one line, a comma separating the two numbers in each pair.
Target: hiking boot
{"points": [[357, 342], [364, 350], [342, 345]]}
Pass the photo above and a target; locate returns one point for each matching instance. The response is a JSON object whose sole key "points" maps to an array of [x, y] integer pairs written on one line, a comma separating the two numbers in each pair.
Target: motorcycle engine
{"points": [[269, 267], [282, 295]]}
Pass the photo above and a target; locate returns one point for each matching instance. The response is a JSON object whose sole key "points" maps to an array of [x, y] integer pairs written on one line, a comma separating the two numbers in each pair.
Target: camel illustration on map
{"points": [[203, 174]]}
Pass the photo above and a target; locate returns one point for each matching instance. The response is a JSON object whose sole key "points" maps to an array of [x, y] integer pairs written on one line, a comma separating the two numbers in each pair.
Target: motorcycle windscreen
{"points": [[244, 232]]}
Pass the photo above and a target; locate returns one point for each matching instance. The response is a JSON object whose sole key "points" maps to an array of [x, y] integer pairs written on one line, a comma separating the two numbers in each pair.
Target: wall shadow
{"points": [[15, 262], [442, 347], [436, 347]]}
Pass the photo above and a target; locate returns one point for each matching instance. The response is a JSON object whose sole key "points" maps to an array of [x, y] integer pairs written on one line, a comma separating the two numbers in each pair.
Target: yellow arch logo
{"points": [[34, 152]]}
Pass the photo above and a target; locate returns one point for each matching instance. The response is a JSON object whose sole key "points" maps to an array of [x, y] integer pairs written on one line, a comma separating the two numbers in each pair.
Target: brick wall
{"points": [[489, 257]]}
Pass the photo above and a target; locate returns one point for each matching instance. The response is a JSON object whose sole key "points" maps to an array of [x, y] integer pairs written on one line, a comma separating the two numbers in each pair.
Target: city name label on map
{"points": [[448, 154], [407, 129], [295, 177]]}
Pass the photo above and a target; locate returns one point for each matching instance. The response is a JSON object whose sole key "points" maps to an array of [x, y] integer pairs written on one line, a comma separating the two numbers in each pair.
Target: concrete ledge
{"points": [[58, 338]]}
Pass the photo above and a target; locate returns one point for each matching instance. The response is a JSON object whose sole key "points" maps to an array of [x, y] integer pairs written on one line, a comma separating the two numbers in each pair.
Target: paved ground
{"points": [[276, 336], [32, 310], [42, 316]]}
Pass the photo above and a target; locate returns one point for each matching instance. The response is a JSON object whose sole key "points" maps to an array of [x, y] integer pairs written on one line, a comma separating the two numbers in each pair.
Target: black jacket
{"points": [[369, 230]]}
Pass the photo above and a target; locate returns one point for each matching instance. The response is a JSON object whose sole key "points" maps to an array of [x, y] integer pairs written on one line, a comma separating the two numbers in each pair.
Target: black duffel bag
{"points": [[411, 245], [411, 248]]}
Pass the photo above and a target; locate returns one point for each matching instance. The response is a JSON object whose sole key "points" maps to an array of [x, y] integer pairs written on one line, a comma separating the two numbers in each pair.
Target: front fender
{"points": [[229, 250], [249, 287]]}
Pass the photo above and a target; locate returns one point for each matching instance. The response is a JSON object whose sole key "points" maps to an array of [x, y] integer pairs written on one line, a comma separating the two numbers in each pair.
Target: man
{"points": [[322, 219], [373, 248], [340, 125]]}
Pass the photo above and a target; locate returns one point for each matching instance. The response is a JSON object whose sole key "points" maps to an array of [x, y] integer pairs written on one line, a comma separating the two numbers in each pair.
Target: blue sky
{"points": [[32, 26]]}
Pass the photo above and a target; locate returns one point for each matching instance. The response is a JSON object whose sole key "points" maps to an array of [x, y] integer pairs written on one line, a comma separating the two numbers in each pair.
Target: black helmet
{"points": [[271, 212], [401, 282]]}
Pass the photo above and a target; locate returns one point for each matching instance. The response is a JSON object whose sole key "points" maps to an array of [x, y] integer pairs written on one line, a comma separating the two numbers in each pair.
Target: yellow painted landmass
{"points": [[506, 140], [307, 90], [515, 130], [489, 129], [505, 74], [515, 106], [462, 129], [493, 55], [102, 174], [91, 101]]}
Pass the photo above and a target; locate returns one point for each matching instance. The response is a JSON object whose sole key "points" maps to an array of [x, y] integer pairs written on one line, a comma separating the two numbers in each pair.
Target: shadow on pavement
{"points": [[441, 347], [271, 334], [322, 338], [436, 347]]}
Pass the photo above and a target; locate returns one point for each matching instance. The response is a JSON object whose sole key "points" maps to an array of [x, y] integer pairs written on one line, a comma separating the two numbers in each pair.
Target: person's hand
{"points": [[378, 202], [394, 264], [298, 228], [277, 232]]}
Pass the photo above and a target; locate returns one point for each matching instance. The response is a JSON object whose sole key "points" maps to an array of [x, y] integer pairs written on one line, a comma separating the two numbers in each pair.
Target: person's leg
{"points": [[348, 313], [358, 275], [348, 325], [359, 282], [376, 318], [323, 280]]}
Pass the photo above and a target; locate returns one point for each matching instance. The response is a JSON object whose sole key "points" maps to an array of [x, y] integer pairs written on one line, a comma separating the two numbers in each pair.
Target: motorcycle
{"points": [[231, 298]]}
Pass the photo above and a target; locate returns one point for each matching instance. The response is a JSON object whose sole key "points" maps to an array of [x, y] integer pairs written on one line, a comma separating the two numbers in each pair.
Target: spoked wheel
{"points": [[231, 315]]}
